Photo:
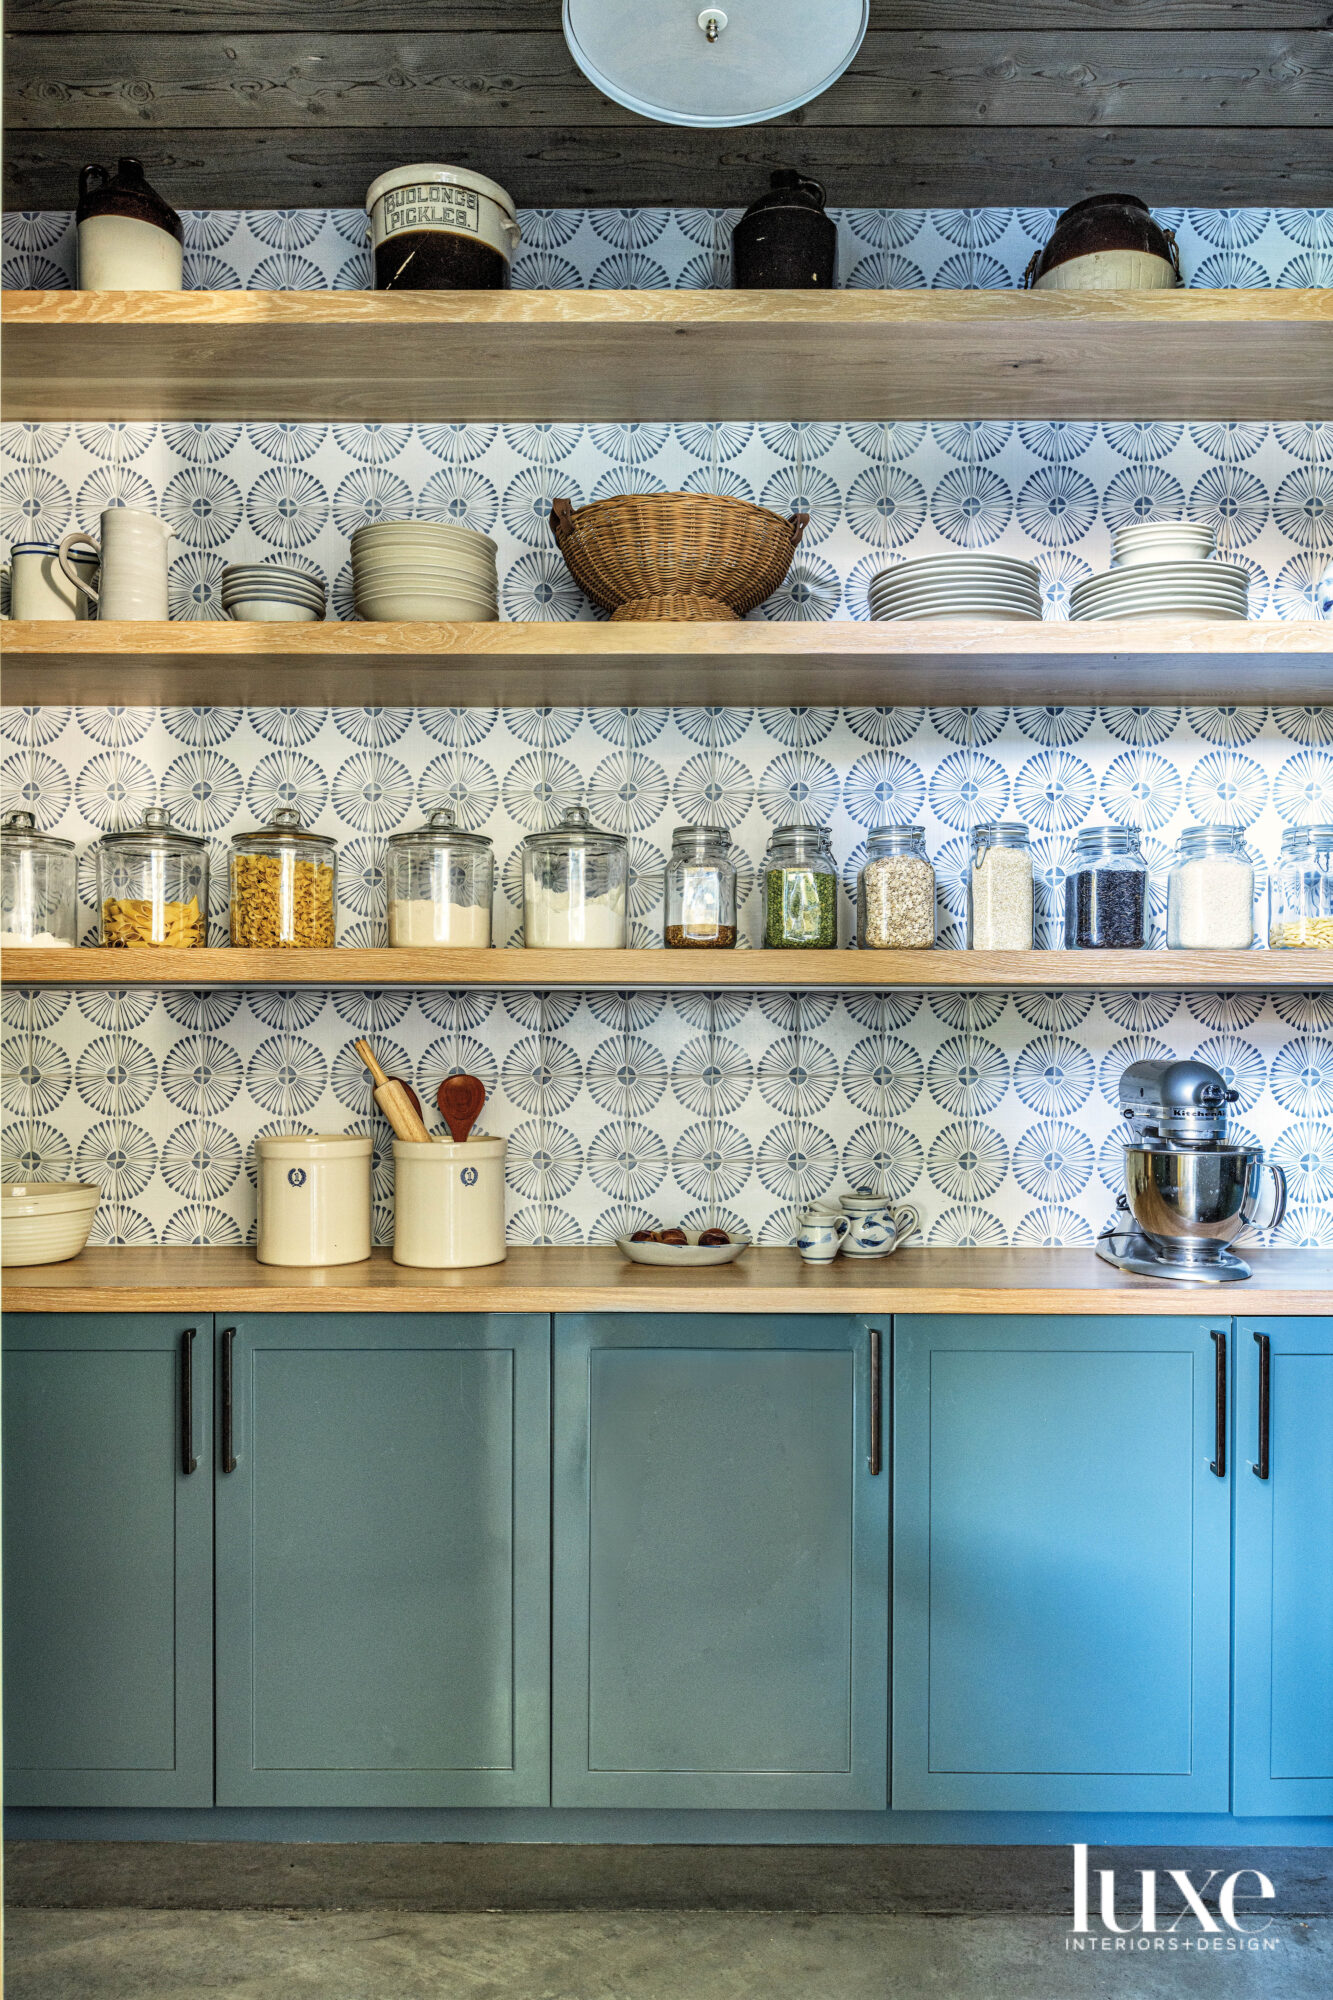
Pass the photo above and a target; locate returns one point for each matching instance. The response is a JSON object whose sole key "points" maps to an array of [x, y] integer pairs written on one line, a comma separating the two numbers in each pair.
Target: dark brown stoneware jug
{"points": [[785, 241], [1107, 243], [130, 240]]}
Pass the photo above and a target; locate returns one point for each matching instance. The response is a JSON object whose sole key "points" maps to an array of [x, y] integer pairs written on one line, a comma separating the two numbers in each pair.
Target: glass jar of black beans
{"points": [[1106, 892]]}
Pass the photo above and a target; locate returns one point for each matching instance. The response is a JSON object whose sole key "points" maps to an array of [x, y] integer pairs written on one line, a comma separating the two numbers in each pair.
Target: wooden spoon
{"points": [[460, 1099]]}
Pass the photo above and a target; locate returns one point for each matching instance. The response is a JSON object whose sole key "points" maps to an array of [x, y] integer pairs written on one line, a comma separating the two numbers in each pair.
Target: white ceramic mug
{"points": [[133, 555], [39, 586], [820, 1235]]}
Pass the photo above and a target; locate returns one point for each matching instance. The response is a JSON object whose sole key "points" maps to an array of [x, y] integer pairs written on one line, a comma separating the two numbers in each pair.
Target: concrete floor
{"points": [[646, 1955]]}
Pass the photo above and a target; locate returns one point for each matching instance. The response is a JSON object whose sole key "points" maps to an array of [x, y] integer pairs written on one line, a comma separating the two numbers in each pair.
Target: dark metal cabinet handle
{"points": [[876, 1401], [189, 1463], [1219, 1462], [228, 1437], [1260, 1469]]}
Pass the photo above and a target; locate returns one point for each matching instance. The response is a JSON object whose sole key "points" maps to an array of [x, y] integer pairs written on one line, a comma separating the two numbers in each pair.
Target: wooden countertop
{"points": [[598, 1278]]}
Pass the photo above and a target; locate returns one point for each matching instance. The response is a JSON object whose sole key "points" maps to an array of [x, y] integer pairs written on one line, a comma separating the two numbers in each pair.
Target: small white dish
{"points": [[1161, 542], [272, 611], [686, 1256]]}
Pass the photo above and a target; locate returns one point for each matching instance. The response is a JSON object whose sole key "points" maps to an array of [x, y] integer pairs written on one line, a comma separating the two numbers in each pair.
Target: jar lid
{"points": [[574, 830], [283, 830], [798, 830], [1095, 840], [430, 174], [20, 829], [154, 830], [896, 830], [1299, 839], [441, 830], [690, 839], [1001, 833], [1198, 841]]}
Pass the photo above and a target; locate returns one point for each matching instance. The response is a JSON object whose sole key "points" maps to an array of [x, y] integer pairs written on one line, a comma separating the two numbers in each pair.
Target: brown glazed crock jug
{"points": [[130, 240], [785, 241], [1107, 243]]}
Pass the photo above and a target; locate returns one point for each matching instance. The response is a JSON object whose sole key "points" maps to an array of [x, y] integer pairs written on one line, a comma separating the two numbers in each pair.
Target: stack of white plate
{"points": [[426, 570], [271, 594], [970, 585], [1164, 590], [1161, 542]]}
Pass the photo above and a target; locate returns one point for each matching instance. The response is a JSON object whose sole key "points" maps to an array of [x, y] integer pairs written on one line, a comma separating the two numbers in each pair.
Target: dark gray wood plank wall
{"points": [[954, 102]]}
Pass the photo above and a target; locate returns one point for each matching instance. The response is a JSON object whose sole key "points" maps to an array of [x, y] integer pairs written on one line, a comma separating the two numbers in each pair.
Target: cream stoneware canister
{"points": [[449, 1203], [314, 1199]]}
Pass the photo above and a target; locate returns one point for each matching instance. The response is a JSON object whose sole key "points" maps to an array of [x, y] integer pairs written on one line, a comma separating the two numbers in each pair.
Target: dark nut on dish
{"points": [[676, 1236], [642, 1236], [709, 1239]]}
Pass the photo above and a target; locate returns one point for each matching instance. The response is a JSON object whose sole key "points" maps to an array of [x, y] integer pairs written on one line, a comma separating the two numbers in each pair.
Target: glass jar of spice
{"points": [[895, 892], [1000, 901], [282, 883], [1210, 892], [152, 885], [575, 886], [700, 901], [1106, 892], [1300, 891], [37, 898], [800, 890], [440, 881]]}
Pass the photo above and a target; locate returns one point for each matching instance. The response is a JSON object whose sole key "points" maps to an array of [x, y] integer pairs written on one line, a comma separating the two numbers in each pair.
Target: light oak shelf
{"points": [[747, 662], [656, 971], [597, 1278], [569, 355]]}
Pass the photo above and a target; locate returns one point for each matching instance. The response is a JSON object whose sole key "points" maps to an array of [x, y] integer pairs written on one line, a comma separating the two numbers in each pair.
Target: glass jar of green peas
{"points": [[800, 890]]}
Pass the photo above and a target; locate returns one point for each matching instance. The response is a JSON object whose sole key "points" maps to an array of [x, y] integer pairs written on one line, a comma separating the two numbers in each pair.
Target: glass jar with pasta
{"points": [[282, 885], [152, 886]]}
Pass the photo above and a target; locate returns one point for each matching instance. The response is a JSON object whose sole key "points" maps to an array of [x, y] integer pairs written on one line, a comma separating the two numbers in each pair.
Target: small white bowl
{"points": [[273, 611], [684, 1255], [1161, 542], [45, 1222]]}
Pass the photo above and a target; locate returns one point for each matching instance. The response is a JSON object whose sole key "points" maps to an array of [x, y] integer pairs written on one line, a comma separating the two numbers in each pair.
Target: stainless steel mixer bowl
{"points": [[1202, 1198]]}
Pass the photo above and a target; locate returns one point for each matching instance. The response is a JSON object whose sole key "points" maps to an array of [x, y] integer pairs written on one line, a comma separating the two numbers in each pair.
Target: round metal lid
{"points": [[154, 830], [724, 65]]}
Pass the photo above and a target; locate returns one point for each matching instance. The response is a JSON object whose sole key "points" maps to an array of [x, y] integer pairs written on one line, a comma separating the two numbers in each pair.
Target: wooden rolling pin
{"points": [[394, 1099]]}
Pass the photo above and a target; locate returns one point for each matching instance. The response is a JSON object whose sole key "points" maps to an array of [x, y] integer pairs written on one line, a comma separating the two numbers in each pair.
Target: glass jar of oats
{"points": [[895, 892], [282, 883], [152, 885]]}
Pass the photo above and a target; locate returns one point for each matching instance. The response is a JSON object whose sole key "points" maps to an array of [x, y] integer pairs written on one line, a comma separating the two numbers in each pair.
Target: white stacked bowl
{"points": [[971, 584], [271, 594], [424, 570], [1161, 542], [1164, 590]]}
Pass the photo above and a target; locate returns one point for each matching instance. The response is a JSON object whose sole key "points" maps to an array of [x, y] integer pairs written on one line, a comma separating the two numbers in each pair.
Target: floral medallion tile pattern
{"points": [[689, 249], [995, 1114]]}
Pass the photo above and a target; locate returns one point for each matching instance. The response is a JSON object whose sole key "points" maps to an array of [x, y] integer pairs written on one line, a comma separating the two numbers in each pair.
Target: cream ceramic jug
{"points": [[133, 555]]}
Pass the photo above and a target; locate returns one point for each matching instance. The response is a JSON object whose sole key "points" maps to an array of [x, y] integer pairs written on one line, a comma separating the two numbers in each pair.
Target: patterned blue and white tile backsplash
{"points": [[689, 249], [995, 1114]]}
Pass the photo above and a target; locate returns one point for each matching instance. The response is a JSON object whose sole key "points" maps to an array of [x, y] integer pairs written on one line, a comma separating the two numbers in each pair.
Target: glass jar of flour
{"points": [[575, 886], [440, 881]]}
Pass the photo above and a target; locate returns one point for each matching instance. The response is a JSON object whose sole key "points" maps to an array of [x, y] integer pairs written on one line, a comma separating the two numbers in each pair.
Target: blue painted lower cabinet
{"points": [[721, 1564], [383, 1565], [1283, 1752], [108, 1561], [1062, 1565]]}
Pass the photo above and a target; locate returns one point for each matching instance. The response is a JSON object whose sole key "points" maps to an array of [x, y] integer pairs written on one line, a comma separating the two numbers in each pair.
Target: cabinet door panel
{"points": [[383, 1562], [107, 1563], [721, 1564], [1061, 1566], [1284, 1572]]}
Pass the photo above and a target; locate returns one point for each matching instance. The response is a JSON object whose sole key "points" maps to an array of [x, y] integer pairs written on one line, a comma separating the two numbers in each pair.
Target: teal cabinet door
{"points": [[1283, 1728], [108, 1560], [721, 1588], [383, 1566], [1062, 1565]]}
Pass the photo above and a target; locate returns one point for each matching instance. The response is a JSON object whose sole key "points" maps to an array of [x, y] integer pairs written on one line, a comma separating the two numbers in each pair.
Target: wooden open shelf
{"points": [[569, 355], [617, 971], [597, 1278], [749, 662]]}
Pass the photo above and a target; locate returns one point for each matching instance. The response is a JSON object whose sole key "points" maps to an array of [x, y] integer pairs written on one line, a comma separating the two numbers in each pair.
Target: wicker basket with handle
{"points": [[676, 555]]}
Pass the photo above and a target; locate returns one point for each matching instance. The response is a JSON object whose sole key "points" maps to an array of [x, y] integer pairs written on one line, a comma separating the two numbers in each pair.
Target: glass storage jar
{"points": [[282, 884], [1106, 892], [575, 886], [895, 891], [1210, 891], [1000, 899], [38, 903], [1300, 890], [440, 881], [700, 900], [152, 885], [800, 890]]}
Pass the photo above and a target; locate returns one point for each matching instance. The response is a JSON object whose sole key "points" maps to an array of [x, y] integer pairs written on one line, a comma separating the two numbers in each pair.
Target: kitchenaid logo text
{"points": [[1193, 1928]]}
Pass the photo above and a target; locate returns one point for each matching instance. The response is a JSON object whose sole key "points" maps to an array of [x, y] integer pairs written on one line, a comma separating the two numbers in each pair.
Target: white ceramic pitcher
{"points": [[133, 555]]}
